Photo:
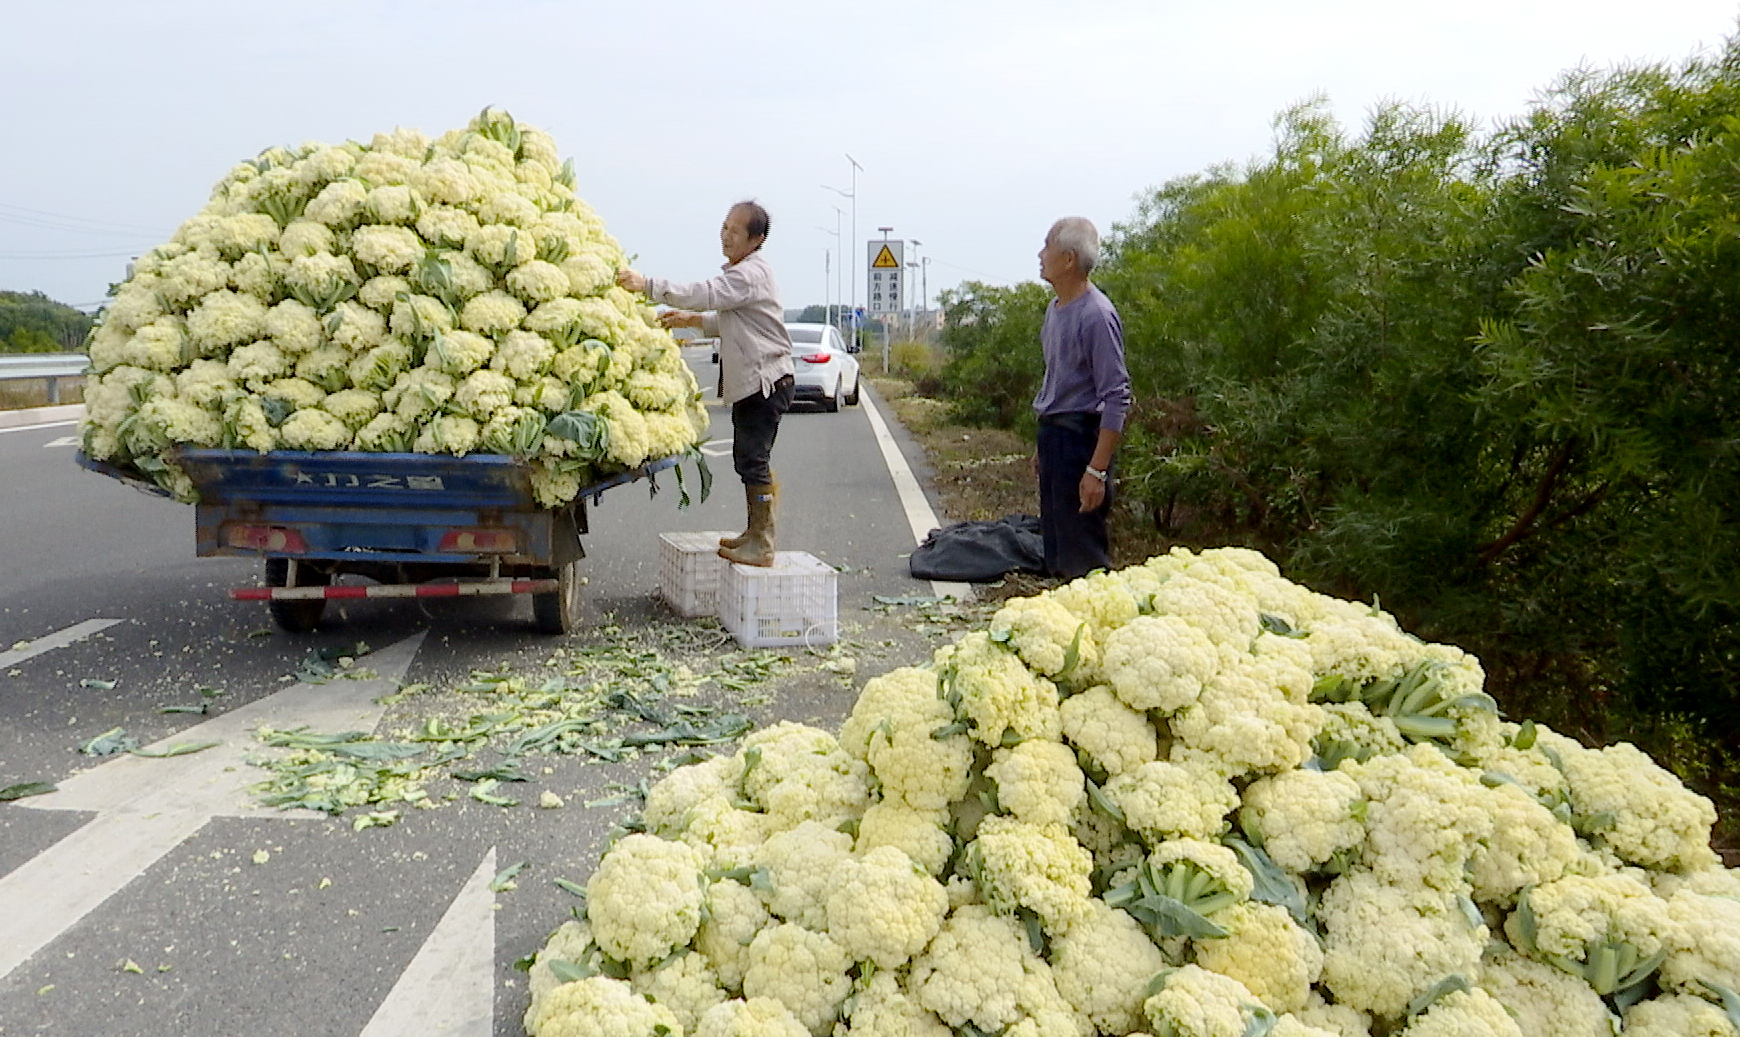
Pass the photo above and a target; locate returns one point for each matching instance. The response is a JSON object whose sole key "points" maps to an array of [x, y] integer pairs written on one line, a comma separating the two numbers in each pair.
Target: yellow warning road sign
{"points": [[885, 258]]}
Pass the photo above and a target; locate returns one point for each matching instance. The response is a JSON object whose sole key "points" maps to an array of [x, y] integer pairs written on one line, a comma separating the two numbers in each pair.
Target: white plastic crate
{"points": [[791, 603], [689, 571]]}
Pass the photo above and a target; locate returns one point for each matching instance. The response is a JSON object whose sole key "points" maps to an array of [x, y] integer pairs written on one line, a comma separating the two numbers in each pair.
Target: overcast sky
{"points": [[976, 121]]}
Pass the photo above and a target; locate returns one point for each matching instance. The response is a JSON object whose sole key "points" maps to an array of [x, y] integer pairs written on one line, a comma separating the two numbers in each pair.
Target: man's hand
{"points": [[679, 319], [1093, 493], [632, 281]]}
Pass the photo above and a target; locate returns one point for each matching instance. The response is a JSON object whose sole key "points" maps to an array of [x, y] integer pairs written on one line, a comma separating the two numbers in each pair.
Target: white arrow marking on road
{"points": [[717, 448], [919, 516], [62, 441], [58, 639], [147, 807], [448, 990]]}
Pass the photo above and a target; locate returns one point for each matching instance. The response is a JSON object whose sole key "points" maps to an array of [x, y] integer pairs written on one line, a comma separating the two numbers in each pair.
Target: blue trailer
{"points": [[419, 525]]}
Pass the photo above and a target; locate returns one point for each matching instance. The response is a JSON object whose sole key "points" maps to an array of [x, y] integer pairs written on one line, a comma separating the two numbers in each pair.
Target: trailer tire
{"points": [[559, 612], [296, 617]]}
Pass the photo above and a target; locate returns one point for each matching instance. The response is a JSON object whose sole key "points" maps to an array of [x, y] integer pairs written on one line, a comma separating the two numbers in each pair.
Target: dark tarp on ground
{"points": [[980, 552]]}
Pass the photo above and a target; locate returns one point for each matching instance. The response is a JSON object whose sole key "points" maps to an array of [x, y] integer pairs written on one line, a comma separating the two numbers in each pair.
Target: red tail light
{"points": [[479, 541], [266, 538], [818, 358]]}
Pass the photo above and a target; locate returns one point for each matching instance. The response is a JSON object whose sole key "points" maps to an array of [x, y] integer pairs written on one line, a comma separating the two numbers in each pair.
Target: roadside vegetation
{"points": [[1489, 379]]}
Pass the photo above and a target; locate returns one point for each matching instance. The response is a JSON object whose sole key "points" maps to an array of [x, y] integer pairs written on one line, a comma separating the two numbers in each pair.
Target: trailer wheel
{"points": [[297, 617], [559, 612]]}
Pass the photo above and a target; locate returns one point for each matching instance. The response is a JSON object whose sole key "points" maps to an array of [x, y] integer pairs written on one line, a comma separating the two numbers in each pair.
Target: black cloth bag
{"points": [[980, 552]]}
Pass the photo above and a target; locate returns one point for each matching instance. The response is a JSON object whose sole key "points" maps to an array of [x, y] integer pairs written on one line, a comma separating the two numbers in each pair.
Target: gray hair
{"points": [[1076, 235]]}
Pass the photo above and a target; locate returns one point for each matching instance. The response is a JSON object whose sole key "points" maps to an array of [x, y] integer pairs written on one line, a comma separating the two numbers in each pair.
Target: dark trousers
{"points": [[754, 424], [1075, 544]]}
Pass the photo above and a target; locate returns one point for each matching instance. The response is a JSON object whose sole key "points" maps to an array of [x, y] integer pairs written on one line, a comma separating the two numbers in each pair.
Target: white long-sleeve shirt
{"points": [[741, 306]]}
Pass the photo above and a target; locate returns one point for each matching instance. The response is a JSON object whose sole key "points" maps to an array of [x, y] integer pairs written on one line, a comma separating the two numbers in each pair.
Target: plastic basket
{"points": [[791, 604], [689, 571]]}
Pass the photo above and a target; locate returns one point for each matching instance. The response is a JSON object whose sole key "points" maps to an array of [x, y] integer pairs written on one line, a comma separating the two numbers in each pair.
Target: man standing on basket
{"points": [[740, 306], [1081, 403]]}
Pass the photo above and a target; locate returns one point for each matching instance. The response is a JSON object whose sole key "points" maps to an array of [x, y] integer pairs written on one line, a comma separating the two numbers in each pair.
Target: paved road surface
{"points": [[152, 897]]}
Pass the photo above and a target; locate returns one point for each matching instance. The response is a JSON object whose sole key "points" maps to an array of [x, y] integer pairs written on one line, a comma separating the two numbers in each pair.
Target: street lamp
{"points": [[853, 195], [827, 261], [839, 243], [915, 247]]}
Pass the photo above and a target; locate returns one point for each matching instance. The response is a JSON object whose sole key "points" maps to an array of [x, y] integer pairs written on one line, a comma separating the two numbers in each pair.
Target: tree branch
{"points": [[1524, 524]]}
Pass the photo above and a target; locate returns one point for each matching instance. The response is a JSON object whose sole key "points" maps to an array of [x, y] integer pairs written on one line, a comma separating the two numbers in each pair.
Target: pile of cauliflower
{"points": [[440, 296], [1186, 799]]}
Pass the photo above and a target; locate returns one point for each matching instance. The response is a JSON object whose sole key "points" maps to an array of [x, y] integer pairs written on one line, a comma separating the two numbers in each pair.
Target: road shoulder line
{"points": [[919, 515], [58, 639]]}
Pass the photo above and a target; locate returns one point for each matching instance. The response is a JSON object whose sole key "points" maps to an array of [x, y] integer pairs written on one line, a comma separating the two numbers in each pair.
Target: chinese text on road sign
{"points": [[885, 265]]}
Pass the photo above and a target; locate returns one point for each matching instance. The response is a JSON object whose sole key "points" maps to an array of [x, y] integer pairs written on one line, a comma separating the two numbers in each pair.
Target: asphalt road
{"points": [[154, 896]]}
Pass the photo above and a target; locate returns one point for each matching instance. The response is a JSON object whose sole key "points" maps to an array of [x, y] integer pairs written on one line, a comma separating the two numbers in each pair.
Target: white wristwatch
{"points": [[1096, 473]]}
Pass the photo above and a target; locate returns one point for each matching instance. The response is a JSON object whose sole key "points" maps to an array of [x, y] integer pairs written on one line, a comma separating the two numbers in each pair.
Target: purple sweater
{"points": [[1084, 360]]}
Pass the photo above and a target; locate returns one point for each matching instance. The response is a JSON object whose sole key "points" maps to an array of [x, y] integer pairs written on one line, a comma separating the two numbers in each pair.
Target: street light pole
{"points": [[826, 273], [911, 323], [840, 244]]}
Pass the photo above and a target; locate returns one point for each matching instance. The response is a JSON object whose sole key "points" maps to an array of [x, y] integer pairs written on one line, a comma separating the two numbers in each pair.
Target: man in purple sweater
{"points": [[1081, 403]]}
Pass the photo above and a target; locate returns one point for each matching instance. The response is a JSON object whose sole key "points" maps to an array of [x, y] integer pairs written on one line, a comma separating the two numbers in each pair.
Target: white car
{"points": [[825, 372]]}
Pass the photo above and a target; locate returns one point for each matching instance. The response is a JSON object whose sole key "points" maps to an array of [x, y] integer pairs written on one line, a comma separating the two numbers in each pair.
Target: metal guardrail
{"points": [[49, 367]]}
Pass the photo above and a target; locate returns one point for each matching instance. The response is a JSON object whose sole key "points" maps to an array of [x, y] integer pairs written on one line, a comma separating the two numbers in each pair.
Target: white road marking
{"points": [[33, 428], [62, 441], [147, 807], [919, 515], [717, 448], [448, 990], [58, 639]]}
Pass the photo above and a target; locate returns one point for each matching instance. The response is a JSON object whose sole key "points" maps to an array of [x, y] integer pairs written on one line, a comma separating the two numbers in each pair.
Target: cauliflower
{"points": [[1425, 818], [1194, 1002], [599, 1007], [419, 394], [1600, 928], [492, 313], [1678, 1015], [884, 908], [256, 364], [1544, 1000], [1528, 846], [1243, 722], [483, 393], [458, 353], [1159, 663], [225, 319], [294, 327], [310, 429], [1102, 966], [734, 915], [1165, 800], [1464, 1013], [355, 327], [1648, 817], [645, 898], [354, 407], [1303, 818], [1048, 637], [1017, 864], [1266, 951], [803, 970], [803, 865], [378, 369], [385, 433], [394, 250], [996, 693], [756, 1017], [798, 773], [522, 355], [894, 727], [920, 834], [1038, 781], [879, 1008], [1385, 945], [685, 983], [973, 971], [448, 434], [538, 282], [1117, 738]]}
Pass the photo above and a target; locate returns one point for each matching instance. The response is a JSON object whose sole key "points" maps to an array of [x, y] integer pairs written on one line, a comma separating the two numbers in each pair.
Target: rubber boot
{"points": [[758, 541], [742, 538]]}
